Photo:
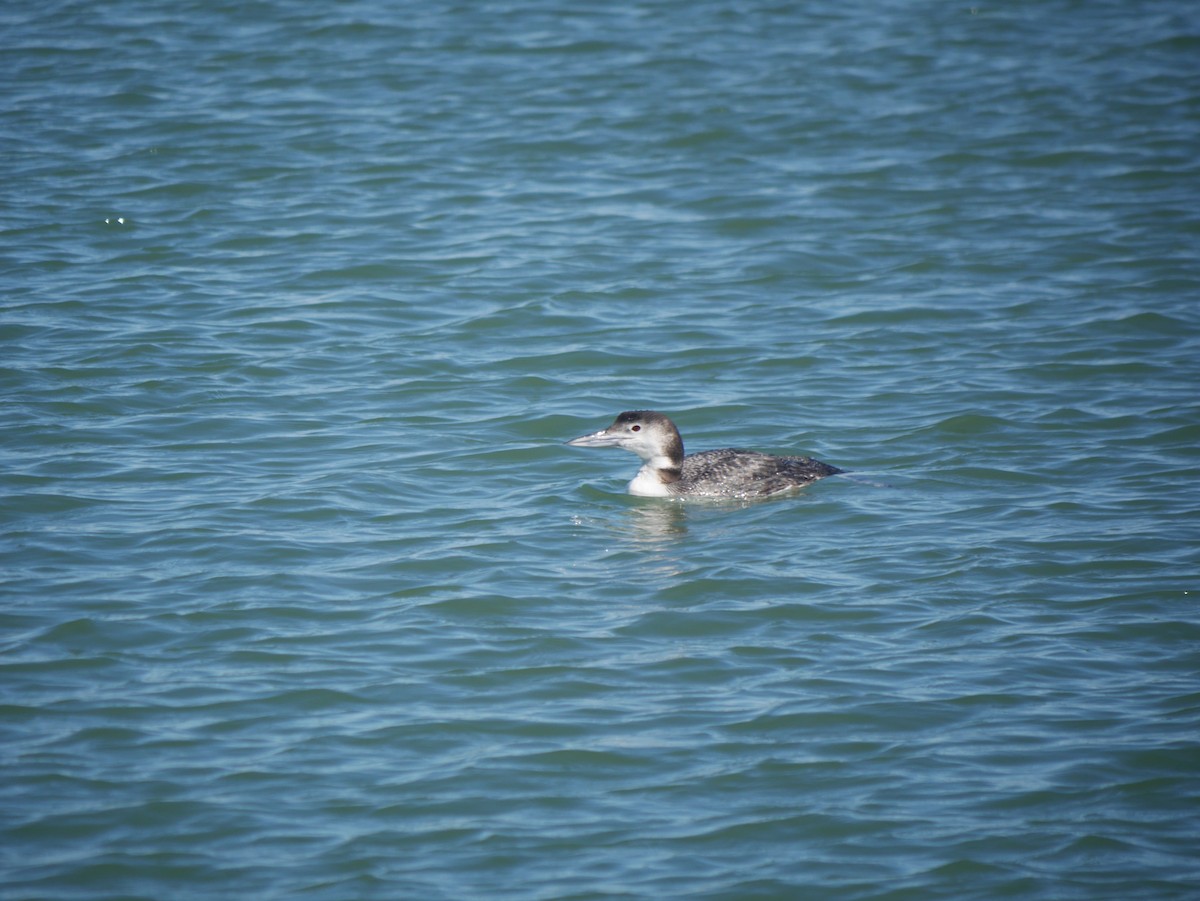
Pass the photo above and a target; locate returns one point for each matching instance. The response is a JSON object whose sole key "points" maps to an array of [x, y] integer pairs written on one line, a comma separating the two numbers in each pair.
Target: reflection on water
{"points": [[655, 521]]}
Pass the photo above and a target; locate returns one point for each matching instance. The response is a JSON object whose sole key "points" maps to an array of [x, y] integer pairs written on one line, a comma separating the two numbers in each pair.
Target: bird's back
{"points": [[733, 472]]}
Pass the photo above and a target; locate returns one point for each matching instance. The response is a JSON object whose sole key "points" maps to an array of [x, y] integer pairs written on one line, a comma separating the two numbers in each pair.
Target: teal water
{"points": [[302, 596]]}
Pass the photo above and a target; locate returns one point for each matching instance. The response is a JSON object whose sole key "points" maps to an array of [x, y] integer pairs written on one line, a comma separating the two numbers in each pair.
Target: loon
{"points": [[729, 472]]}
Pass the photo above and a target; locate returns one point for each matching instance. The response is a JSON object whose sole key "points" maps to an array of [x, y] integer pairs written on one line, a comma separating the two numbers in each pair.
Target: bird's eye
{"points": [[635, 428]]}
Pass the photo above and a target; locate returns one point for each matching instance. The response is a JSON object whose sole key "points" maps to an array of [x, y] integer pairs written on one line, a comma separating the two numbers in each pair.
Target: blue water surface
{"points": [[302, 596]]}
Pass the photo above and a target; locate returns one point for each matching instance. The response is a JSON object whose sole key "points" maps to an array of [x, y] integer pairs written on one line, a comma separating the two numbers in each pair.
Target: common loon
{"points": [[729, 472]]}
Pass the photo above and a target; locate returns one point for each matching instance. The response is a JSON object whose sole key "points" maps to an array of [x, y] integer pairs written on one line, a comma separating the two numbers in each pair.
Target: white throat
{"points": [[648, 484]]}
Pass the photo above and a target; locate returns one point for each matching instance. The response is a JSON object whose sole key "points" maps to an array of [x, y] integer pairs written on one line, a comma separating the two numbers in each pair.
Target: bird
{"points": [[728, 472]]}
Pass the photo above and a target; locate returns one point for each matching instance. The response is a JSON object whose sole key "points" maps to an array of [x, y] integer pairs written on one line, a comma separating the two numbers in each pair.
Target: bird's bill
{"points": [[596, 439]]}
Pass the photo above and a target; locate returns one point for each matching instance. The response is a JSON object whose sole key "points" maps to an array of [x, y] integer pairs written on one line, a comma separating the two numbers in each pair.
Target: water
{"points": [[303, 596]]}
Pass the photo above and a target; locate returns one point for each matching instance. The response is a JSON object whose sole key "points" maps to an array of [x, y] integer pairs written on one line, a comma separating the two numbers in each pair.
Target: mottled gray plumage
{"points": [[733, 471], [729, 472]]}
